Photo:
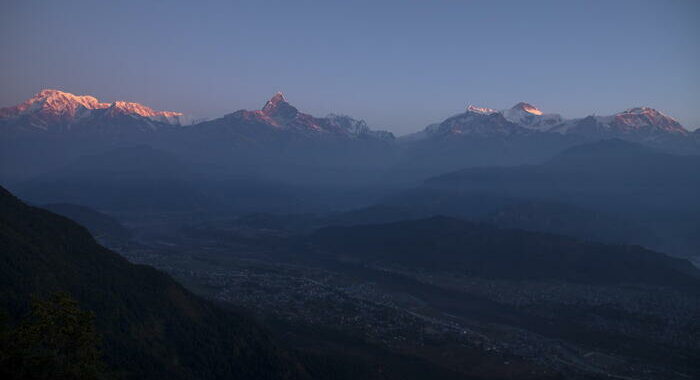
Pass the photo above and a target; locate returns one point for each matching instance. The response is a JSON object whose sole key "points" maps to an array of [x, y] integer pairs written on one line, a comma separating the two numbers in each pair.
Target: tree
{"points": [[57, 340]]}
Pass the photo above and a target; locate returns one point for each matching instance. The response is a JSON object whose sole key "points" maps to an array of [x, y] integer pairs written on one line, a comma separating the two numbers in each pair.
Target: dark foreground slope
{"points": [[151, 327]]}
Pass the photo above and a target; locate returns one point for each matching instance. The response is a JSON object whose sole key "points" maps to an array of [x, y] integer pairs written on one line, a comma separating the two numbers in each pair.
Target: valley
{"points": [[506, 244], [349, 190], [523, 327]]}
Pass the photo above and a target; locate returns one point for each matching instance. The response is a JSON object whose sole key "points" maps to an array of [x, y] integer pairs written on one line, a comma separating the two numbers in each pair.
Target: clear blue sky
{"points": [[397, 64]]}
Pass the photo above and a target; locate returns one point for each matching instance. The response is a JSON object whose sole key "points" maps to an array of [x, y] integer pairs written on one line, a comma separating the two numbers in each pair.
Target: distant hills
{"points": [[485, 251], [614, 174], [628, 187]]}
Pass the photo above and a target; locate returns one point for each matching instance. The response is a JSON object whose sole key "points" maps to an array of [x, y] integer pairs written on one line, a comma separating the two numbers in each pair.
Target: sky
{"points": [[399, 65]]}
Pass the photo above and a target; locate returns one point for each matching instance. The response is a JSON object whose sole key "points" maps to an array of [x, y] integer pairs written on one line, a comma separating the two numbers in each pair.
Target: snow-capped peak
{"points": [[141, 110], [50, 106], [529, 108], [481, 110], [638, 123], [529, 116], [646, 118], [55, 104], [57, 99], [135, 109], [645, 111]]}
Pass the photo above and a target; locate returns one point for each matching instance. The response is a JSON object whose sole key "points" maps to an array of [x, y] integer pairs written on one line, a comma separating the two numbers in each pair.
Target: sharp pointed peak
{"points": [[277, 105], [278, 97]]}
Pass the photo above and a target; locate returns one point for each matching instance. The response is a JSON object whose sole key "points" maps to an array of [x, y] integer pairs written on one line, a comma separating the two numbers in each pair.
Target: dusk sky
{"points": [[399, 65]]}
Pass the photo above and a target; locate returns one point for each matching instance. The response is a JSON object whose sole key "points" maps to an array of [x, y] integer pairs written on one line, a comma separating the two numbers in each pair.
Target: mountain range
{"points": [[52, 110], [278, 141], [640, 124], [57, 147]]}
